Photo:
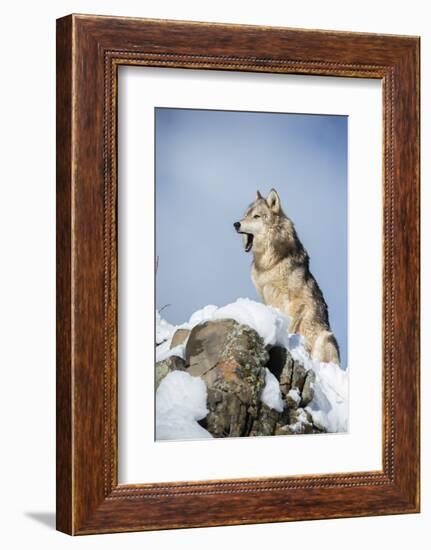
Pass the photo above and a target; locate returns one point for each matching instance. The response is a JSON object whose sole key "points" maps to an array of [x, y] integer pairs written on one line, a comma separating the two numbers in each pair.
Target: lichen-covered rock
{"points": [[231, 359], [296, 383], [299, 422], [163, 368], [267, 421], [225, 340], [298, 376]]}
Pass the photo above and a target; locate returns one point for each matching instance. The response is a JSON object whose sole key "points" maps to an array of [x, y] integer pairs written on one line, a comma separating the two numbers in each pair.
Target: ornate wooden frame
{"points": [[89, 51]]}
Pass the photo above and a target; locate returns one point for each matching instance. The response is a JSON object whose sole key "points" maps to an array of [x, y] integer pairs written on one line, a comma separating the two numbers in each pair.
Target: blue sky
{"points": [[209, 165]]}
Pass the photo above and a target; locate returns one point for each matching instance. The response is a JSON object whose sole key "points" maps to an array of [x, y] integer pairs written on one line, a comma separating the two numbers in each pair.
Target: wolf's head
{"points": [[261, 217]]}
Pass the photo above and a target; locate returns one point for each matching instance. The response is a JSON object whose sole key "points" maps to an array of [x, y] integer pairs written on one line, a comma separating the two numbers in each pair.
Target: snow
{"points": [[163, 351], [329, 407], [200, 316], [164, 330], [181, 400], [267, 321], [271, 394]]}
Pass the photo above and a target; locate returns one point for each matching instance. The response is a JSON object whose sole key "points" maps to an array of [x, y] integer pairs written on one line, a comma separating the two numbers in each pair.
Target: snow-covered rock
{"points": [[316, 391], [267, 321]]}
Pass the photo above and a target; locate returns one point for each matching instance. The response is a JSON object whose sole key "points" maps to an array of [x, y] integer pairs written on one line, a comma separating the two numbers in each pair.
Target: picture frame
{"points": [[89, 51]]}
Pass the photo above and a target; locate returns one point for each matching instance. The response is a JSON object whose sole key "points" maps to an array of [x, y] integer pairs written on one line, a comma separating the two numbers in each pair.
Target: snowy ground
{"points": [[181, 398]]}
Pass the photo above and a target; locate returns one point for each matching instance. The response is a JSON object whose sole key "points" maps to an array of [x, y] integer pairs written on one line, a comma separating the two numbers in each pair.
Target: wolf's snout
{"points": [[237, 225]]}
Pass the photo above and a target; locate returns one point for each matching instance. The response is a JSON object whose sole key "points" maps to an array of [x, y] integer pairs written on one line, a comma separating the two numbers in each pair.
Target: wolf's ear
{"points": [[273, 201], [258, 195]]}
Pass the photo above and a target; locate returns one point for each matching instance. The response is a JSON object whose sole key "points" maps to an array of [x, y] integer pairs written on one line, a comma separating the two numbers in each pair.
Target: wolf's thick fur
{"points": [[281, 275]]}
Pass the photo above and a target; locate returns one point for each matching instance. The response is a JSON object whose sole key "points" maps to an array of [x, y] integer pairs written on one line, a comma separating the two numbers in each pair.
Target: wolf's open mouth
{"points": [[248, 241]]}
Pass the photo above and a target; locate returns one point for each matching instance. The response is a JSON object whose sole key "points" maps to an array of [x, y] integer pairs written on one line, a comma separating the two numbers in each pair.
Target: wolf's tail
{"points": [[325, 348]]}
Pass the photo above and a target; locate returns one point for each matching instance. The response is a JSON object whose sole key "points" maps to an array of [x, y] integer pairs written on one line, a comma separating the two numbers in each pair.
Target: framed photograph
{"points": [[237, 274]]}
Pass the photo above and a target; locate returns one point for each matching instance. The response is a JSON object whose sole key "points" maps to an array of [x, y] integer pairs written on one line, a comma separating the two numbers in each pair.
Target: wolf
{"points": [[281, 274]]}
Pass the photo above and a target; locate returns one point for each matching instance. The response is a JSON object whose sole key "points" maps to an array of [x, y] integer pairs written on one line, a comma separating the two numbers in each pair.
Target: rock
{"points": [[301, 418], [298, 376], [231, 359], [179, 337], [296, 383], [293, 398], [308, 389], [206, 344], [224, 340], [300, 422], [163, 368], [267, 421], [228, 416], [278, 357], [286, 374]]}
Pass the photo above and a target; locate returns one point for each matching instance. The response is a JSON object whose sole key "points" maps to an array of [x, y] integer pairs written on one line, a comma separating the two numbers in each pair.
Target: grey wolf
{"points": [[281, 274]]}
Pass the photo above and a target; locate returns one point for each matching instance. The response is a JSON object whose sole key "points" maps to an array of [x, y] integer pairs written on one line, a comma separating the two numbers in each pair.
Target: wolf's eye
{"points": [[256, 216]]}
